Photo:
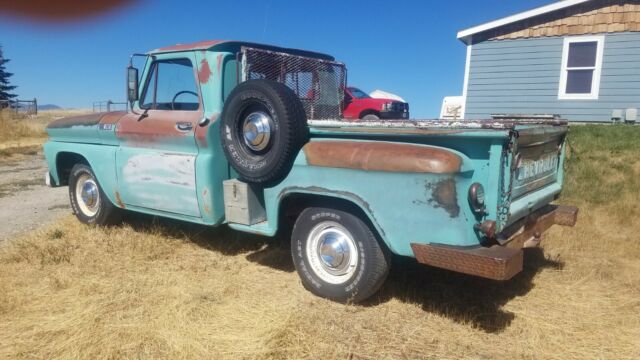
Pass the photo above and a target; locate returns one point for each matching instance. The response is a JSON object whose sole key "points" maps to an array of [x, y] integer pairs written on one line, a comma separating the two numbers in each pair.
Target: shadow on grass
{"points": [[462, 298], [273, 252]]}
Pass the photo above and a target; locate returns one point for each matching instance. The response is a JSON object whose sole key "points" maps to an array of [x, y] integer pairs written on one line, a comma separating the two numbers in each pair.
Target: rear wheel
{"points": [[263, 128], [337, 255], [88, 201]]}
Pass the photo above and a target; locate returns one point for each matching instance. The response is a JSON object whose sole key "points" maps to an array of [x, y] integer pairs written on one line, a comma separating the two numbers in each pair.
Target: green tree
{"points": [[5, 86]]}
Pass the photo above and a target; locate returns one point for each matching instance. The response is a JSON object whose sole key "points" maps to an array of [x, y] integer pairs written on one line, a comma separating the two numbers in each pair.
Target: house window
{"points": [[581, 67]]}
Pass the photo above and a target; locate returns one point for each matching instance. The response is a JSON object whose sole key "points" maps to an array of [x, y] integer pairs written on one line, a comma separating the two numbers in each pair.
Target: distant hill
{"points": [[49, 107]]}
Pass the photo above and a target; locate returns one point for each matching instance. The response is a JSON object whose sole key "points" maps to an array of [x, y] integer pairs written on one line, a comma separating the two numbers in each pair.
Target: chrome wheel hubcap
{"points": [[332, 252], [87, 195], [256, 130]]}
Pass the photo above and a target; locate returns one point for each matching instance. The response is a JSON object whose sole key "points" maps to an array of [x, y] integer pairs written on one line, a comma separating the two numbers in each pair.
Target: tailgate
{"points": [[537, 158]]}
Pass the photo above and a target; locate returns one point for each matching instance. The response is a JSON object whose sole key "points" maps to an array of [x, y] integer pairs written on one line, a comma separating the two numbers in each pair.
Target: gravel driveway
{"points": [[26, 203]]}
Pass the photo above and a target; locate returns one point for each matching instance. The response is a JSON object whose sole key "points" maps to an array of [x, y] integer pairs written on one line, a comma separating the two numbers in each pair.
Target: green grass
{"points": [[603, 164]]}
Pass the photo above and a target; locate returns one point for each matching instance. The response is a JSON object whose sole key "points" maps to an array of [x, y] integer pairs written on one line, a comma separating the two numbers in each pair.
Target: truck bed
{"points": [[426, 126]]}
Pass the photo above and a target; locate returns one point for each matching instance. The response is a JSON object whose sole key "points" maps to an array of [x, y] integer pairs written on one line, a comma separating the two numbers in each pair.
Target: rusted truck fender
{"points": [[382, 156], [375, 176]]}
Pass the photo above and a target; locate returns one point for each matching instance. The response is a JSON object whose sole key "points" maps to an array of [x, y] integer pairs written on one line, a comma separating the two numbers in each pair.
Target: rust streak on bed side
{"points": [[381, 156]]}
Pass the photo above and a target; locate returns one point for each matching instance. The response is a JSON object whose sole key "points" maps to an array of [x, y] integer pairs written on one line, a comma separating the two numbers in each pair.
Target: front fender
{"points": [[101, 159]]}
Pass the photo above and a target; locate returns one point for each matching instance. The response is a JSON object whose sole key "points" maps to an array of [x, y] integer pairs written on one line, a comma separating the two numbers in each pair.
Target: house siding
{"points": [[522, 76]]}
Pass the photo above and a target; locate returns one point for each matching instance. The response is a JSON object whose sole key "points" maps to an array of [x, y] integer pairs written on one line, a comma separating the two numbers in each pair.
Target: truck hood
{"points": [[379, 101], [98, 128], [380, 94], [86, 120]]}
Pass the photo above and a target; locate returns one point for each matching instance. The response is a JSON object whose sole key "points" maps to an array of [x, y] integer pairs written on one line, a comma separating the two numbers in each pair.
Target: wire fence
{"points": [[20, 107], [318, 83], [108, 105]]}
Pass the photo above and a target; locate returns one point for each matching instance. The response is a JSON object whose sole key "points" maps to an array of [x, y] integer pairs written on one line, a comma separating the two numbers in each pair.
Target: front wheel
{"points": [[88, 201], [337, 255]]}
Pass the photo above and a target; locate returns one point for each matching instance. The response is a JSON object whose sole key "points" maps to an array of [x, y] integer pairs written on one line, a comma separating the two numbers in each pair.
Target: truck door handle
{"points": [[184, 126]]}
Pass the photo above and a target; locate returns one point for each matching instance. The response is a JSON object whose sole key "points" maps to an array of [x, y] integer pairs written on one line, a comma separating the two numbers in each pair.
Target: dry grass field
{"points": [[23, 134], [161, 289]]}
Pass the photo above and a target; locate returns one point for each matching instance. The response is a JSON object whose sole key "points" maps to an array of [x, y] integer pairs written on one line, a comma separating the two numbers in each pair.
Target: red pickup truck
{"points": [[359, 105]]}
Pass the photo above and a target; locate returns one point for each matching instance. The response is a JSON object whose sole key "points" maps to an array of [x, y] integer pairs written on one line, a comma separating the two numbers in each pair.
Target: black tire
{"points": [[372, 260], [370, 116], [103, 212], [288, 130]]}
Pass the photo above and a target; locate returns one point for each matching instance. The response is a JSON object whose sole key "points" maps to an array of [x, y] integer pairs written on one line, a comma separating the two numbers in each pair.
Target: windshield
{"points": [[358, 94]]}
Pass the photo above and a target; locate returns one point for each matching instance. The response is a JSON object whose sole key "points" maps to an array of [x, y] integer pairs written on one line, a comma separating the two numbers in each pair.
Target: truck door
{"points": [[155, 163]]}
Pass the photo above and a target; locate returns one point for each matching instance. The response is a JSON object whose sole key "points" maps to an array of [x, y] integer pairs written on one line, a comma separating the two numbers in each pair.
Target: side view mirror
{"points": [[132, 84]]}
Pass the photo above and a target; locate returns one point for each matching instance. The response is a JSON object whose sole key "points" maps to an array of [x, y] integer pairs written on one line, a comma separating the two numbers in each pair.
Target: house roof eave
{"points": [[466, 35]]}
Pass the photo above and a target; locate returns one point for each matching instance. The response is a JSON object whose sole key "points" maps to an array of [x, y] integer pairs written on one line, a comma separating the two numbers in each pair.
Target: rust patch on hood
{"points": [[443, 195], [112, 117], [381, 156], [205, 71], [87, 120]]}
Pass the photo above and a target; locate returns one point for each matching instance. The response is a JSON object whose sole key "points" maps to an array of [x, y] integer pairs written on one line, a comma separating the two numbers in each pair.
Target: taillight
{"points": [[476, 198]]}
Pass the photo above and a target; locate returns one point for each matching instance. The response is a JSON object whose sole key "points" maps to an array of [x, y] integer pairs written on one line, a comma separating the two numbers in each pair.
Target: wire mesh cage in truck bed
{"points": [[318, 83]]}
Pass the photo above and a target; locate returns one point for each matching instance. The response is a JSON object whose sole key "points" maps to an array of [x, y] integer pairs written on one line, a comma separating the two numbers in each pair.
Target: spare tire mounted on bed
{"points": [[264, 125]]}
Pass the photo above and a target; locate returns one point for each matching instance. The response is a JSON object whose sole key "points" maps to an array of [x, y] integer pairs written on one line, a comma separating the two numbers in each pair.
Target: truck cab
{"points": [[359, 105], [249, 136]]}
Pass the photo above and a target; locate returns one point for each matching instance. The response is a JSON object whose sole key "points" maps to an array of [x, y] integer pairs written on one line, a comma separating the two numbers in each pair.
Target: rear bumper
{"points": [[503, 260]]}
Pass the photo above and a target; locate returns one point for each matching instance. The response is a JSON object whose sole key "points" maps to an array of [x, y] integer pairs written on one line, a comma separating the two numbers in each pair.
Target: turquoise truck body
{"points": [[180, 174]]}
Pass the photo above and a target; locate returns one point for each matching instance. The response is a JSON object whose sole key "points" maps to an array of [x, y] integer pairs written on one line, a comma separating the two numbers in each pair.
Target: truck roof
{"points": [[234, 46]]}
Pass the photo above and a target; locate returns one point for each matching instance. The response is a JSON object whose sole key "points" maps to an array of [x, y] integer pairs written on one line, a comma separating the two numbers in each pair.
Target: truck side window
{"points": [[171, 86]]}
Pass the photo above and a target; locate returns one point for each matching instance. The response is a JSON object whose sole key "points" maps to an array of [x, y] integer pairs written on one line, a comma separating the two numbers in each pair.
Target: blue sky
{"points": [[408, 48]]}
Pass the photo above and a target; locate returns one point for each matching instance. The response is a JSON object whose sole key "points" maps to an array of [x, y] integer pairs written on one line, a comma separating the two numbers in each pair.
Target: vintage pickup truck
{"points": [[225, 132]]}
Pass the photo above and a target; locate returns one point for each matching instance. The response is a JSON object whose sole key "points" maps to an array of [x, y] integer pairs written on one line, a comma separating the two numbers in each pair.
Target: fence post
{"points": [[35, 106]]}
